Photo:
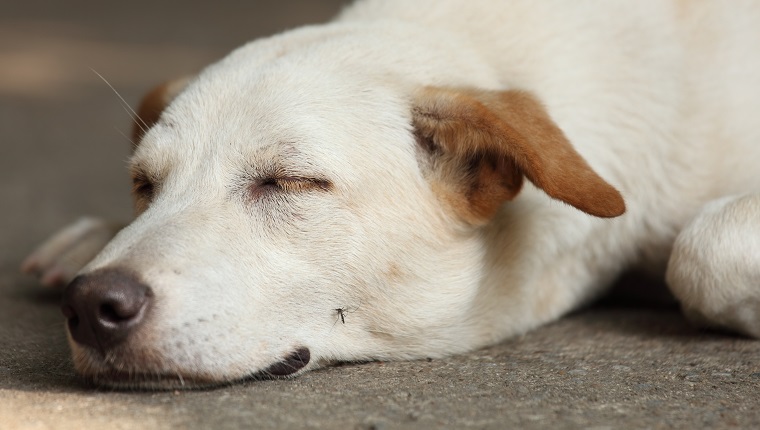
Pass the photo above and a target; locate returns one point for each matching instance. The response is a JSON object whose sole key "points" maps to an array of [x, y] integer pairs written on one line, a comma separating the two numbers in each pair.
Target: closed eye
{"points": [[288, 184], [143, 190], [142, 187]]}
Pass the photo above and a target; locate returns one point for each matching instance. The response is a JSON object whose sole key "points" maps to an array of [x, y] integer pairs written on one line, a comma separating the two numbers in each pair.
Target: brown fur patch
{"points": [[152, 106], [487, 140]]}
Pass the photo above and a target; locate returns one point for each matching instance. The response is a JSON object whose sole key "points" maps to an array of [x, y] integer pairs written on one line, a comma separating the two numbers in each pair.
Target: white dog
{"points": [[422, 178]]}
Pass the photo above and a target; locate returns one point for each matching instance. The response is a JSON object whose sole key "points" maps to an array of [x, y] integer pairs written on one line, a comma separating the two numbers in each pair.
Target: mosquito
{"points": [[342, 312]]}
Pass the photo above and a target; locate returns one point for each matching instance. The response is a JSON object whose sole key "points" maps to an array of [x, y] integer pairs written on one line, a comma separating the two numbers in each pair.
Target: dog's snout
{"points": [[104, 307]]}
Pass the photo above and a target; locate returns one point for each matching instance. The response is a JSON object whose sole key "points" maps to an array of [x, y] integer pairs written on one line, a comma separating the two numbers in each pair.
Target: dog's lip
{"points": [[290, 365]]}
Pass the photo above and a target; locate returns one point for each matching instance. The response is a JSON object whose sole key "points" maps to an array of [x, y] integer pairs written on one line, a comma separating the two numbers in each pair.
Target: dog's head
{"points": [[290, 215]]}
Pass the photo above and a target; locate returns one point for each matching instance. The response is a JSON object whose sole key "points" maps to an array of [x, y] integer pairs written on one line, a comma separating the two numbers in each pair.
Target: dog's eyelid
{"points": [[142, 185], [295, 182], [140, 177], [287, 184], [318, 182], [138, 173]]}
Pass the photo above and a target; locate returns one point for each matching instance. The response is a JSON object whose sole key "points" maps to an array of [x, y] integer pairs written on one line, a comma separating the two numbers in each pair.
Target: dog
{"points": [[419, 179]]}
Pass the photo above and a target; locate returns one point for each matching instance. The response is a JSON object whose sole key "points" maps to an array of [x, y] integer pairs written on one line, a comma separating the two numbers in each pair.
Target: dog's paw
{"points": [[59, 258], [714, 269], [743, 318]]}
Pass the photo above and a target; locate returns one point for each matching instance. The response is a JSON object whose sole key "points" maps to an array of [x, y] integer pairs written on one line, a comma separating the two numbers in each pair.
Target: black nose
{"points": [[104, 307]]}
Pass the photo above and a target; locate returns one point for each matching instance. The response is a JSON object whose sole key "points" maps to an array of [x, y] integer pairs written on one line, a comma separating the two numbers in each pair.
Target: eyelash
{"points": [[142, 187], [288, 184]]}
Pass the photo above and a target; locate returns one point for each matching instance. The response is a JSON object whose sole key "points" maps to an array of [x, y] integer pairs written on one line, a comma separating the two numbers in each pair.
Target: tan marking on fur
{"points": [[501, 136], [394, 274], [153, 104], [383, 336], [682, 8]]}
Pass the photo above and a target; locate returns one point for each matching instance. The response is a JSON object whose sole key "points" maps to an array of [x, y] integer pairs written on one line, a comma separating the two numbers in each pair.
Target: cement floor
{"points": [[62, 155]]}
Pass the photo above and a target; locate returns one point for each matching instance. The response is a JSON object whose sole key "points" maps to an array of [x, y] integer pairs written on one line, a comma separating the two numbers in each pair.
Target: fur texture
{"points": [[422, 178]]}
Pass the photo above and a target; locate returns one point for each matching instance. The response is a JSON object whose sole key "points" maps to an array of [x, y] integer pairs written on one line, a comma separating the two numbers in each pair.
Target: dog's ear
{"points": [[482, 143], [153, 104]]}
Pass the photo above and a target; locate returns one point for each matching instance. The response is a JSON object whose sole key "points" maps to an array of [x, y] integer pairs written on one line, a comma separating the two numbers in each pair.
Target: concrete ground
{"points": [[62, 155]]}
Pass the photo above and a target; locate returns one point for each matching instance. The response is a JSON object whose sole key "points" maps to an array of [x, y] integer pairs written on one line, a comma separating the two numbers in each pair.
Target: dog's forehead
{"points": [[311, 116], [274, 87], [258, 108]]}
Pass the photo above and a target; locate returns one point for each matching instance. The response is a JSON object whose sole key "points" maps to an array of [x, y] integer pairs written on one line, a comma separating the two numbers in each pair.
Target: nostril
{"points": [[107, 313], [103, 308], [122, 306]]}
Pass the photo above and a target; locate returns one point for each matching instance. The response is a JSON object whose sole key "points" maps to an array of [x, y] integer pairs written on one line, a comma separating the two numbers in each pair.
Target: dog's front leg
{"points": [[714, 269], [59, 258]]}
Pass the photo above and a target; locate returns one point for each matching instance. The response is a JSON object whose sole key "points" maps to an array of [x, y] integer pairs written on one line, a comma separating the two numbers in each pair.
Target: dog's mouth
{"points": [[289, 366]]}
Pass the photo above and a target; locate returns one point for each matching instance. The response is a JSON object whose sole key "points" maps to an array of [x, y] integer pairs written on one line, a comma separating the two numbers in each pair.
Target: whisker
{"points": [[125, 136], [128, 109], [135, 117]]}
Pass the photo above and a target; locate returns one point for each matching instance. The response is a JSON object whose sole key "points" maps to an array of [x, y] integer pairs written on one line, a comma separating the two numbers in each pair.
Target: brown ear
{"points": [[489, 139], [153, 104]]}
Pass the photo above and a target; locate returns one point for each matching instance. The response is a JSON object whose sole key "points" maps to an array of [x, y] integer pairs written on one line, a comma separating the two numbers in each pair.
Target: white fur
{"points": [[714, 265], [661, 98]]}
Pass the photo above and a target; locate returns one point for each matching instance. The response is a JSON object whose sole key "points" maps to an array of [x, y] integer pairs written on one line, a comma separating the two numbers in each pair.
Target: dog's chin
{"points": [[140, 381], [114, 374]]}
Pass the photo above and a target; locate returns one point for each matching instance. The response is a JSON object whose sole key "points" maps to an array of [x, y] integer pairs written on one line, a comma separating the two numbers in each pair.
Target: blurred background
{"points": [[62, 143]]}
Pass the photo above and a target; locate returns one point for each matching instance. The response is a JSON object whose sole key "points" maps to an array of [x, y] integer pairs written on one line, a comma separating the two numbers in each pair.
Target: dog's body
{"points": [[338, 192]]}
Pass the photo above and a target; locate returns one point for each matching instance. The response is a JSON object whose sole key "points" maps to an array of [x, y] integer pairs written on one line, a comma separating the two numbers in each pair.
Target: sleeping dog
{"points": [[421, 178]]}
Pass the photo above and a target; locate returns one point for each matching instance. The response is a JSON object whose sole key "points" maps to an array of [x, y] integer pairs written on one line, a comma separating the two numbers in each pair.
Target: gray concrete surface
{"points": [[62, 155]]}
